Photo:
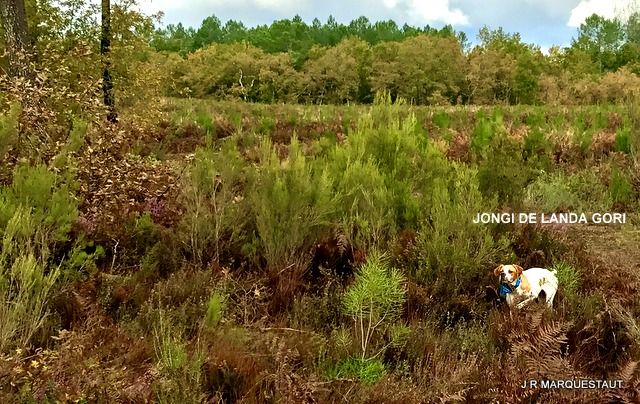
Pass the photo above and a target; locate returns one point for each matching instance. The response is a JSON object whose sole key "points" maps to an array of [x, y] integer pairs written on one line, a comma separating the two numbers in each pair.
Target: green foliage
{"points": [[213, 198], [292, 204], [50, 205], [171, 352], [368, 371], [568, 279], [367, 211], [36, 213], [375, 299], [25, 286], [601, 38], [180, 372], [580, 191], [215, 309], [452, 249], [441, 119], [483, 134], [623, 140], [206, 123], [537, 149], [551, 193], [291, 61], [82, 259], [431, 69], [292, 35], [328, 82], [9, 128], [620, 188], [503, 174], [382, 173]]}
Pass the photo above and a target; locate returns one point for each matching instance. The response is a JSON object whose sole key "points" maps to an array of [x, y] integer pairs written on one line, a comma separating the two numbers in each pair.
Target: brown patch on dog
{"points": [[519, 270], [525, 285], [497, 270]]}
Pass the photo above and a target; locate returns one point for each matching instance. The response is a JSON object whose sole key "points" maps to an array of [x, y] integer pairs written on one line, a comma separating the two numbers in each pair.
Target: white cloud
{"points": [[604, 8], [430, 11]]}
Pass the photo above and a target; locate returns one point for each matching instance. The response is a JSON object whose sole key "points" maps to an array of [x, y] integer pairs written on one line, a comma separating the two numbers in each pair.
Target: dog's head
{"points": [[508, 273]]}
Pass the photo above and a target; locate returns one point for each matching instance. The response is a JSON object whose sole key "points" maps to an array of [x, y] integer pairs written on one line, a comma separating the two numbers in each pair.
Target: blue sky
{"points": [[544, 22]]}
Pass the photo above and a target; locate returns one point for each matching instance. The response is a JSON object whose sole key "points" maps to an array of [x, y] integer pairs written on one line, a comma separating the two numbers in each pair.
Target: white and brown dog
{"points": [[520, 288]]}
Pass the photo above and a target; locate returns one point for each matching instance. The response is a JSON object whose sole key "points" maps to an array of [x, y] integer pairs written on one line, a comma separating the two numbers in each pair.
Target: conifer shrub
{"points": [[375, 302], [291, 203], [453, 251], [620, 193], [504, 175], [568, 280], [383, 173], [180, 371], [26, 281], [9, 129], [583, 191], [50, 203], [214, 208]]}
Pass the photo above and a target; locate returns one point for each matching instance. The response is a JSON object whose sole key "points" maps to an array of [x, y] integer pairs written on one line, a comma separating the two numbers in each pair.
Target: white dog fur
{"points": [[532, 282]]}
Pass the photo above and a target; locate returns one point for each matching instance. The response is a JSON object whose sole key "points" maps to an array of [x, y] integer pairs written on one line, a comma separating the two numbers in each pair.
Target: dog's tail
{"points": [[554, 271]]}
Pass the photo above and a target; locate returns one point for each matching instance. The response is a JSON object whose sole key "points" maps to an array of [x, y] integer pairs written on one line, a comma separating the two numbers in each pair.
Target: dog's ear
{"points": [[497, 270], [518, 270]]}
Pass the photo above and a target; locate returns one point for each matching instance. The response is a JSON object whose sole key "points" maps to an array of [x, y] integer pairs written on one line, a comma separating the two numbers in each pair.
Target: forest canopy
{"points": [[338, 63]]}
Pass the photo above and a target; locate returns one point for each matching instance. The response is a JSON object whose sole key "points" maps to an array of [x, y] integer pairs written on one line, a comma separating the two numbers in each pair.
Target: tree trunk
{"points": [[13, 18], [105, 48]]}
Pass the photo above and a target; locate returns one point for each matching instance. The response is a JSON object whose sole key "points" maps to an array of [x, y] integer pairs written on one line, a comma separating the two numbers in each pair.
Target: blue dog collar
{"points": [[505, 288]]}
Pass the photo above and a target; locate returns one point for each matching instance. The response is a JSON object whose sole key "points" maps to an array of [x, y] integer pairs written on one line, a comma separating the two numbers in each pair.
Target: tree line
{"points": [[320, 63], [291, 61]]}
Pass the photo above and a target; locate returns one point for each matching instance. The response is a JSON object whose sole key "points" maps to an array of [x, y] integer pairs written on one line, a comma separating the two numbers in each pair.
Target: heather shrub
{"points": [[590, 188], [550, 193], [367, 214], [580, 191]]}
